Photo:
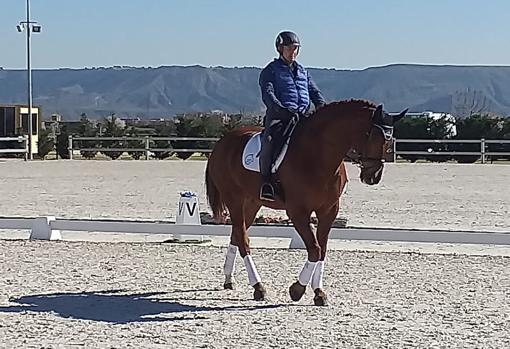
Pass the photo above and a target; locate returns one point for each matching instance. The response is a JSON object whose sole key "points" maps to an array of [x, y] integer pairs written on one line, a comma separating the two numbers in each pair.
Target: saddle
{"points": [[251, 150]]}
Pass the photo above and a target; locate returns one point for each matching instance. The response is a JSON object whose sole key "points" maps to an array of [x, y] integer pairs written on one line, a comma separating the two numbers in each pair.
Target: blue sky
{"points": [[334, 33]]}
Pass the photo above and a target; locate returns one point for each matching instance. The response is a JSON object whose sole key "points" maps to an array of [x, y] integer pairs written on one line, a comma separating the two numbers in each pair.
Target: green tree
{"points": [[45, 143], [234, 121], [211, 126], [505, 129], [195, 125], [113, 127], [140, 144], [479, 126], [476, 127], [164, 129], [505, 134], [425, 127], [63, 141], [87, 129]]}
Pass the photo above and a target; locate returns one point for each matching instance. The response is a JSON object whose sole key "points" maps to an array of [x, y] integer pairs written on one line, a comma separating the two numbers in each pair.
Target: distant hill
{"points": [[165, 91]]}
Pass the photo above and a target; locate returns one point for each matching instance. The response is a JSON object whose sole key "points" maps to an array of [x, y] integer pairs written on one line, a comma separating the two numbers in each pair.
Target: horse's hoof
{"points": [[320, 298], [259, 294], [296, 291], [228, 286]]}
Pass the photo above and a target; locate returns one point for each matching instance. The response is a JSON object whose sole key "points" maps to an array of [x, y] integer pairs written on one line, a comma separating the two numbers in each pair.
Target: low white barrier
{"points": [[188, 223], [49, 228]]}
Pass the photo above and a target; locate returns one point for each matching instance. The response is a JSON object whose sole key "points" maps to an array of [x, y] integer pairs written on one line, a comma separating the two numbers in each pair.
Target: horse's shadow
{"points": [[117, 307]]}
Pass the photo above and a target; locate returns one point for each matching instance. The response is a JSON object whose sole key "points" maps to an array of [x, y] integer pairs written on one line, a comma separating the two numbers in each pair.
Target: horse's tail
{"points": [[218, 207]]}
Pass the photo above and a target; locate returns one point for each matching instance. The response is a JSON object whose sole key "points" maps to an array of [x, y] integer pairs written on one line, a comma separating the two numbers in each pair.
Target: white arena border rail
{"points": [[48, 228], [19, 139]]}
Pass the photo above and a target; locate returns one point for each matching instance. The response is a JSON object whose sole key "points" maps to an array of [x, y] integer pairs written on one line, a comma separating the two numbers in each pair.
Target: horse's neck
{"points": [[327, 139]]}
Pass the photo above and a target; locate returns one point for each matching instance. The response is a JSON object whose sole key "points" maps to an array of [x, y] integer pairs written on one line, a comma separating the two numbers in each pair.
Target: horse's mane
{"points": [[332, 110], [351, 103]]}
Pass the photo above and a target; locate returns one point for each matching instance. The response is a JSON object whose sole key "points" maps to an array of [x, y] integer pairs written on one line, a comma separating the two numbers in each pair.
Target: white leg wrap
{"points": [[317, 276], [253, 275], [230, 263], [306, 273]]}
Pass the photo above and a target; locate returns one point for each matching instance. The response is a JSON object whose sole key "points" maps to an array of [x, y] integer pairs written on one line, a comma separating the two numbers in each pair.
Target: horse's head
{"points": [[371, 150]]}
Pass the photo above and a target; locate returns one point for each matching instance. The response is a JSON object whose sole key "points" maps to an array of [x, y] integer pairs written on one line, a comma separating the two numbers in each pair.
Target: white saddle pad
{"points": [[251, 154]]}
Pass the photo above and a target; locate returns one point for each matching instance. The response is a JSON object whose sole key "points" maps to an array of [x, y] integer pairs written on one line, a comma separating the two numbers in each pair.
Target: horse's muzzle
{"points": [[371, 173]]}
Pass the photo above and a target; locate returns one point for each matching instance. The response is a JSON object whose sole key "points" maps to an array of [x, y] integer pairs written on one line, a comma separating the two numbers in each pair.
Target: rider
{"points": [[287, 90]]}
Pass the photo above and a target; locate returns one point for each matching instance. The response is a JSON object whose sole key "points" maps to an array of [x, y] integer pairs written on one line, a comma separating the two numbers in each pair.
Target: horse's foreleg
{"points": [[320, 297], [306, 231], [325, 218]]}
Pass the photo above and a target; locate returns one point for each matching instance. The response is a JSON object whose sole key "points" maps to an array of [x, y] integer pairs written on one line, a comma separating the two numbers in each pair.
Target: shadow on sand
{"points": [[119, 307]]}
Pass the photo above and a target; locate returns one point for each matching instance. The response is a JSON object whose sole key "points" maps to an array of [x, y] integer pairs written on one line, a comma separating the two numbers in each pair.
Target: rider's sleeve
{"points": [[315, 94], [267, 90]]}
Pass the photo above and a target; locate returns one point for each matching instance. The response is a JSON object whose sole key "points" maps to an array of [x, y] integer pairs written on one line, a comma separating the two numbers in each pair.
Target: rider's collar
{"points": [[291, 65]]}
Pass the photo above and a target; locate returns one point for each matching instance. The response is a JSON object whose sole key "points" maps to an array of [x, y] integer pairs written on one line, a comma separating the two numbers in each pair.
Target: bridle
{"points": [[358, 157]]}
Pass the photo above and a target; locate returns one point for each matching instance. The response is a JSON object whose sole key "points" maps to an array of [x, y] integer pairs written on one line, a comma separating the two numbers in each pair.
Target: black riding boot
{"points": [[265, 159]]}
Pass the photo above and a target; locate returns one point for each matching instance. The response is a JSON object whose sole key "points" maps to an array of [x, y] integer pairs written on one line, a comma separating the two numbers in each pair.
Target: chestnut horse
{"points": [[312, 177]]}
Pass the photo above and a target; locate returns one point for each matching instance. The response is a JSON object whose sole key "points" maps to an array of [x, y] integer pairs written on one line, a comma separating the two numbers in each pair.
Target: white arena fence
{"points": [[20, 139], [147, 141], [148, 147], [482, 153]]}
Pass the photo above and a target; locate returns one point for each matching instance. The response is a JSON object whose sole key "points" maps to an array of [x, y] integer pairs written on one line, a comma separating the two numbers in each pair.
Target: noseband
{"points": [[358, 157]]}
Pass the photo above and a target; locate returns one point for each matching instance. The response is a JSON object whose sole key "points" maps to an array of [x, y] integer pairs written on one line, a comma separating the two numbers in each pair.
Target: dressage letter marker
{"points": [[187, 212]]}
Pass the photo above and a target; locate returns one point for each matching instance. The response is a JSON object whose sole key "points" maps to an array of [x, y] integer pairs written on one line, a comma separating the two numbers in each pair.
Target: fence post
{"points": [[147, 147], [482, 149], [27, 149], [394, 150], [42, 230], [70, 147]]}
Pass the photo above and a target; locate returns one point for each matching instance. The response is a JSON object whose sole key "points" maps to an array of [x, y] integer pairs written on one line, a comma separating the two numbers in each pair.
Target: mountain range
{"points": [[169, 90]]}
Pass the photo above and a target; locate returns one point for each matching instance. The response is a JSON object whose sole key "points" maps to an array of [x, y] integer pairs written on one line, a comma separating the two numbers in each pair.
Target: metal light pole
{"points": [[29, 27]]}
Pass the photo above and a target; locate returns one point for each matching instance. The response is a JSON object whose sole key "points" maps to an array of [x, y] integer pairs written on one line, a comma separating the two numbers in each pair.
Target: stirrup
{"points": [[267, 192]]}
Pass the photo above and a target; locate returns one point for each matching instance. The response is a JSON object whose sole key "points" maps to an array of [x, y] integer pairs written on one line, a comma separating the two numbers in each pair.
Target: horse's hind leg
{"points": [[230, 265], [250, 211], [242, 216]]}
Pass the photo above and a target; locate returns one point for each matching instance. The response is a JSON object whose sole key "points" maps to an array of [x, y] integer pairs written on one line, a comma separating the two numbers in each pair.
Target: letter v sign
{"points": [[192, 209]]}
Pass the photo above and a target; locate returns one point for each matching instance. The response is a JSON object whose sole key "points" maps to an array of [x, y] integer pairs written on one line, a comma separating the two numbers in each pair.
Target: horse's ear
{"points": [[377, 117], [400, 116]]}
